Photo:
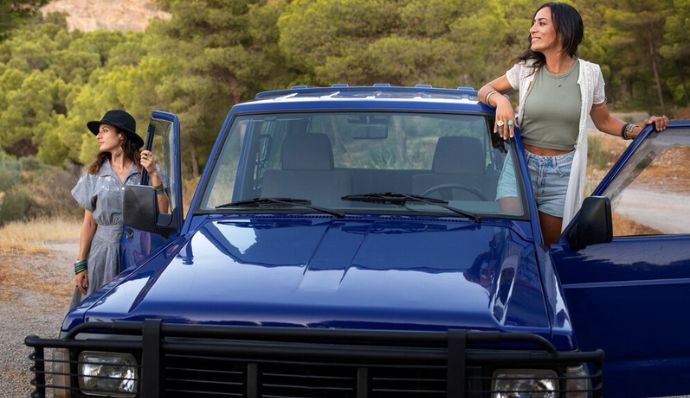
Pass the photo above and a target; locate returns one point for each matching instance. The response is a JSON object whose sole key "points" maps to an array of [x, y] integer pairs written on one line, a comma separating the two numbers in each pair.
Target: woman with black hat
{"points": [[99, 191]]}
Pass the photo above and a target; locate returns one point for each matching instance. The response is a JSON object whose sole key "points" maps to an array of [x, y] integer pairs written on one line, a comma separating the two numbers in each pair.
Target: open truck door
{"points": [[147, 228], [624, 263]]}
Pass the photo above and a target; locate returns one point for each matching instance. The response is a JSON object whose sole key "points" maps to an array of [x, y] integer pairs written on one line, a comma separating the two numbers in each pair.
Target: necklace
{"points": [[560, 79]]}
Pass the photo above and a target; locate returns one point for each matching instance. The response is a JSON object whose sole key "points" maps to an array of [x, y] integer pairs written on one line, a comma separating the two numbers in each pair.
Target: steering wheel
{"points": [[474, 191]]}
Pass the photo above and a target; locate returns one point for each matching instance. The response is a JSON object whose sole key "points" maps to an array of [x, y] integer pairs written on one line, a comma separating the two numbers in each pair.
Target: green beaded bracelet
{"points": [[80, 266]]}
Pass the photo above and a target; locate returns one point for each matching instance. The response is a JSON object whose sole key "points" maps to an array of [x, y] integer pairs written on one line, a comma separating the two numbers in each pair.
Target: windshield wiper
{"points": [[401, 199], [260, 202]]}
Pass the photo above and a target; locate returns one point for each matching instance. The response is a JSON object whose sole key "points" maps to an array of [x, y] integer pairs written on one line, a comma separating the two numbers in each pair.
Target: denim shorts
{"points": [[549, 176]]}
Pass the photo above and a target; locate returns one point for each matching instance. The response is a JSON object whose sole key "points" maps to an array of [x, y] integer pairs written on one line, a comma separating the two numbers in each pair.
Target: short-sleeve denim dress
{"points": [[102, 194]]}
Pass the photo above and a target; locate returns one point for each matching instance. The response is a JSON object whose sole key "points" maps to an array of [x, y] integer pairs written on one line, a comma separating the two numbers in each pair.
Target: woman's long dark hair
{"points": [[569, 27], [130, 148]]}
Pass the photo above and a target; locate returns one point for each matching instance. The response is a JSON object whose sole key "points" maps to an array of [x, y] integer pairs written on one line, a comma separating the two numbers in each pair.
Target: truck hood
{"points": [[389, 273]]}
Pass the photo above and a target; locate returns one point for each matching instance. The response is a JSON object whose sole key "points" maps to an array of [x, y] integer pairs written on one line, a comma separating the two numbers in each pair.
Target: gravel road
{"points": [[645, 207], [27, 309]]}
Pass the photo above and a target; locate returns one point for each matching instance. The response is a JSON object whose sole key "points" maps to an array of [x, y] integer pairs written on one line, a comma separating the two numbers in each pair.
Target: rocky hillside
{"points": [[123, 15]]}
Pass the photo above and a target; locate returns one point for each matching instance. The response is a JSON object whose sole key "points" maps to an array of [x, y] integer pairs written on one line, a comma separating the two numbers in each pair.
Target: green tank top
{"points": [[551, 116]]}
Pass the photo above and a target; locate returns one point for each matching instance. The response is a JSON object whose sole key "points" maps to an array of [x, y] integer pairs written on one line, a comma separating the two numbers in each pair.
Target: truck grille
{"points": [[202, 361], [195, 375], [201, 376]]}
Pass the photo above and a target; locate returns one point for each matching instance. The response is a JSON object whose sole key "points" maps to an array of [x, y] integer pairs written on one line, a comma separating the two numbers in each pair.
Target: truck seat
{"points": [[461, 161], [307, 172]]}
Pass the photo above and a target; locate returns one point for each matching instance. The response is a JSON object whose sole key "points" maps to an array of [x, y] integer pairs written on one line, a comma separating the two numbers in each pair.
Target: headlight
{"points": [[108, 374], [524, 383]]}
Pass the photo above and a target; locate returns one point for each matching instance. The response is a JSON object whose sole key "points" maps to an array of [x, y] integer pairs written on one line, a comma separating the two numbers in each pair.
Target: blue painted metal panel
{"points": [[362, 272], [630, 297]]}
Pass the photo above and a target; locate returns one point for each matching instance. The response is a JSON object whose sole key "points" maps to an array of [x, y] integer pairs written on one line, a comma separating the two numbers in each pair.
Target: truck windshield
{"points": [[325, 157]]}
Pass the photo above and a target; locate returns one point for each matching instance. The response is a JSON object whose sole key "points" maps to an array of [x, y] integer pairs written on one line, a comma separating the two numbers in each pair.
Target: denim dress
{"points": [[102, 194]]}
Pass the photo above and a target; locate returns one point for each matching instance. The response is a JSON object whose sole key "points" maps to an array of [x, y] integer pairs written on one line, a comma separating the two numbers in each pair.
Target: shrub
{"points": [[10, 172], [51, 192], [30, 163], [598, 158], [14, 205], [30, 189], [9, 176]]}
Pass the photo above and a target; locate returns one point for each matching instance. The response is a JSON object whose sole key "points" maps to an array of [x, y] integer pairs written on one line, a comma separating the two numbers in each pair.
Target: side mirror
{"points": [[140, 210], [592, 224]]}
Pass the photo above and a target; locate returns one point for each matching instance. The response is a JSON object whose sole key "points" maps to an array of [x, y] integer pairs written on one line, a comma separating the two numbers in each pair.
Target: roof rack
{"points": [[377, 90]]}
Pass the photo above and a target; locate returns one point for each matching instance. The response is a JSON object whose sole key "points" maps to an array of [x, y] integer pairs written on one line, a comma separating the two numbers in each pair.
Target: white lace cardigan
{"points": [[591, 83]]}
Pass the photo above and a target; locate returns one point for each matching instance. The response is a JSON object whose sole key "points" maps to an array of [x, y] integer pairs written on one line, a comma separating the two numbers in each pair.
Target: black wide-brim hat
{"points": [[120, 119]]}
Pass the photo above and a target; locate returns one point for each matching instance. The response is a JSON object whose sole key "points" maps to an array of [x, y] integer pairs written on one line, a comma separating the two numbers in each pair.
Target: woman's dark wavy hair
{"points": [[569, 27], [130, 148]]}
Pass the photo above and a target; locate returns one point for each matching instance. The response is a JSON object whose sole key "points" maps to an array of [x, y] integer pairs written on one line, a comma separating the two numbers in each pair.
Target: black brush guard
{"points": [[227, 361]]}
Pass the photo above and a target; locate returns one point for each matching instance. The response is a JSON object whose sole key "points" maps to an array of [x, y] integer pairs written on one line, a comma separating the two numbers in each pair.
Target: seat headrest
{"points": [[463, 155], [307, 151]]}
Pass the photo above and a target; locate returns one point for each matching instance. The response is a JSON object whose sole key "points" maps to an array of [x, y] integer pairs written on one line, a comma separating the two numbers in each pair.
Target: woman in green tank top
{"points": [[557, 91]]}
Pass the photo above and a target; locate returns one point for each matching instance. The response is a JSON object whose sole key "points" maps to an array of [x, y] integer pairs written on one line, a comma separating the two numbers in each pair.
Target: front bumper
{"points": [[177, 360]]}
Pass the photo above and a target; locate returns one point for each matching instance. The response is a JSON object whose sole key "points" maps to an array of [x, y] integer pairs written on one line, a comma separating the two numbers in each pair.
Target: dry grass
{"points": [[23, 245], [31, 237], [623, 226], [188, 187]]}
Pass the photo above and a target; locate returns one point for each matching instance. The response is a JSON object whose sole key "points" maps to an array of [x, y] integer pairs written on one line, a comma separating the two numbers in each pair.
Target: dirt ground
{"points": [[661, 190], [34, 294]]}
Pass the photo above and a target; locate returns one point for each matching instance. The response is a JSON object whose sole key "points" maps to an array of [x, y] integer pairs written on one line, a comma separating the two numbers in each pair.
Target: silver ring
{"points": [[499, 123]]}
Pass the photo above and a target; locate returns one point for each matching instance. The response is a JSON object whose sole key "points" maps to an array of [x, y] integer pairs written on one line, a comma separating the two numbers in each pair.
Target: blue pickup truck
{"points": [[348, 242]]}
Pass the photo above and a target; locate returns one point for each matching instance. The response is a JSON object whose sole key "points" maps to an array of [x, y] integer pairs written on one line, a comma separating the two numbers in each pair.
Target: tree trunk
{"points": [[195, 164], [683, 81], [652, 56]]}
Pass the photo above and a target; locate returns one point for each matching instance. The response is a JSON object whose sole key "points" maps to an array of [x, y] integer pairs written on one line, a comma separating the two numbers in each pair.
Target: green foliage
{"points": [[402, 42], [632, 37], [46, 67], [226, 51], [13, 13], [14, 204], [51, 192], [30, 163], [14, 199], [214, 53], [10, 171], [677, 51], [30, 189]]}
